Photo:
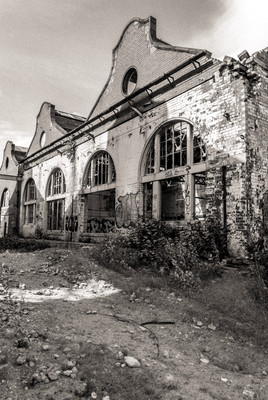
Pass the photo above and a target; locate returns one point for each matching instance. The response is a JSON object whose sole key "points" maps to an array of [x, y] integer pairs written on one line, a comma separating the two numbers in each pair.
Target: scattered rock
{"points": [[45, 347], [68, 372], [204, 360], [212, 327], [131, 362], [52, 376]]}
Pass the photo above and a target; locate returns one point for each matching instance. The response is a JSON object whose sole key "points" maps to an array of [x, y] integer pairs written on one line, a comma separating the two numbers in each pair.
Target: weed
{"points": [[165, 251]]}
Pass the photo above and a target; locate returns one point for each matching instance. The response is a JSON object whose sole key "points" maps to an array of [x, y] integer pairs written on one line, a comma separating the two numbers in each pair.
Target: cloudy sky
{"points": [[60, 51]]}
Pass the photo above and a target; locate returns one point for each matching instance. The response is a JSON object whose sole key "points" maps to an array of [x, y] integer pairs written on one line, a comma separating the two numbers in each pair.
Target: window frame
{"points": [[56, 183], [55, 201], [155, 171], [29, 203], [100, 171]]}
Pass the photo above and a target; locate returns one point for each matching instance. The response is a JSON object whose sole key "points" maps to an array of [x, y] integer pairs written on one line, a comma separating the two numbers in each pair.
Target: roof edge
{"points": [[157, 43]]}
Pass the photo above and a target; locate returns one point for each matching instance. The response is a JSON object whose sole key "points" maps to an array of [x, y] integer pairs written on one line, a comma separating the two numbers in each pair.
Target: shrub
{"points": [[13, 242], [164, 250]]}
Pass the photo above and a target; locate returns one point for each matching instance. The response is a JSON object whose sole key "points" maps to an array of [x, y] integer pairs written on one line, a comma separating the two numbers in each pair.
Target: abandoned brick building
{"points": [[175, 134]]}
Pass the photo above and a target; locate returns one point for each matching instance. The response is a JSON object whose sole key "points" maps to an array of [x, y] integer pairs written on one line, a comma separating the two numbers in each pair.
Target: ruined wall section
{"points": [[256, 82]]}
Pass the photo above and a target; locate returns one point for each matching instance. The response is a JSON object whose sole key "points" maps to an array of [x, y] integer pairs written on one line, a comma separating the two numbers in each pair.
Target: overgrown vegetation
{"points": [[12, 242], [156, 246]]}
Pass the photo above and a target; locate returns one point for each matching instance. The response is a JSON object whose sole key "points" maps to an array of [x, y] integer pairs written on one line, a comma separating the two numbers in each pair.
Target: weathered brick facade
{"points": [[175, 135]]}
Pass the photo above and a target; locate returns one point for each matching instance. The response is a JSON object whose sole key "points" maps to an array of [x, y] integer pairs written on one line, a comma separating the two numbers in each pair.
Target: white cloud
{"points": [[242, 26]]}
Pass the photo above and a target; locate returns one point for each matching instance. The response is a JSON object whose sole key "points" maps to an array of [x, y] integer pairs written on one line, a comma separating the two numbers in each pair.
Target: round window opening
{"points": [[7, 162], [43, 139], [130, 81]]}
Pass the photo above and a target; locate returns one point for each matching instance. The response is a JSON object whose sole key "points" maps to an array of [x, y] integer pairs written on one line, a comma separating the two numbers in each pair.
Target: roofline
{"points": [[154, 41], [113, 108]]}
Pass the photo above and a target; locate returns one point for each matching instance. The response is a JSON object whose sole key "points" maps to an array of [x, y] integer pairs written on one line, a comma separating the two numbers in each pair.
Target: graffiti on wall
{"points": [[126, 212], [95, 225]]}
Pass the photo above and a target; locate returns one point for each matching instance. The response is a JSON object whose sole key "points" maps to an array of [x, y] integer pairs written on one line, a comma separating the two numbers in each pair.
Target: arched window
{"points": [[5, 198], [30, 202], [55, 206], [101, 170], [175, 146], [174, 173], [56, 183]]}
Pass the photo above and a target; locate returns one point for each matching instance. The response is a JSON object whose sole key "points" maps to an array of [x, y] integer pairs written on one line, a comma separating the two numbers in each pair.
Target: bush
{"points": [[162, 249], [13, 242]]}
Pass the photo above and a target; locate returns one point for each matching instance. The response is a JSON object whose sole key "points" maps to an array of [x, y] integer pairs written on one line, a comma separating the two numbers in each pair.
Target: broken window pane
{"points": [[199, 150], [173, 199], [200, 195], [101, 170], [149, 169]]}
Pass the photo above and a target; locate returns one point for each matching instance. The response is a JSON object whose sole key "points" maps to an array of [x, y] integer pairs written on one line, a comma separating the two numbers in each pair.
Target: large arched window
{"points": [[174, 173], [99, 189], [55, 202], [30, 202], [101, 170]]}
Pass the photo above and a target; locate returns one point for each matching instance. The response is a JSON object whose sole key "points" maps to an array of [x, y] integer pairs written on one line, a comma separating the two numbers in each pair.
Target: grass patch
{"points": [[230, 305]]}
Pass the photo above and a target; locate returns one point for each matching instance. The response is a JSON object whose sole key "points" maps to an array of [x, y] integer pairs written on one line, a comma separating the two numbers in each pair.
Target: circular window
{"points": [[130, 81], [7, 162], [43, 139]]}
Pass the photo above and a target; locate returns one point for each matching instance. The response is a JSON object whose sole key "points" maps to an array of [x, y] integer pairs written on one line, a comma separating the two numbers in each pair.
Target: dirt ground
{"points": [[48, 321]]}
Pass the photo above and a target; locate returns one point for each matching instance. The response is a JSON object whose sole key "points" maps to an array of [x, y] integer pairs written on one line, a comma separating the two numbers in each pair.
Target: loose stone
{"points": [[132, 362]]}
